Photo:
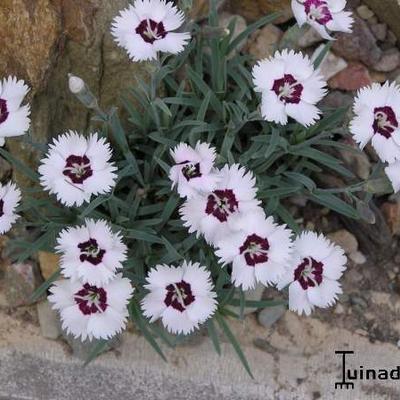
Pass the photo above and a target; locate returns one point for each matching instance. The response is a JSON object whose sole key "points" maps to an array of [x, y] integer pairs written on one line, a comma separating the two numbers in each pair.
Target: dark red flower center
{"points": [[288, 89], [77, 168], [309, 273], [179, 295], [255, 250], [91, 299], [191, 171], [3, 110], [385, 121], [151, 30], [221, 204], [91, 252], [318, 10], [1, 207]]}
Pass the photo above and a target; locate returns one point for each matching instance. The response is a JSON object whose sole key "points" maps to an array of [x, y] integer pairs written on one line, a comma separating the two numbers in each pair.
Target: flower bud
{"points": [[76, 84]]}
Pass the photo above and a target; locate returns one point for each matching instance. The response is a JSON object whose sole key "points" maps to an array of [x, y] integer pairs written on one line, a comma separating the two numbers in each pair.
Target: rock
{"points": [[391, 37], [251, 295], [336, 99], [391, 211], [388, 11], [379, 77], [389, 61], [82, 349], [264, 42], [364, 12], [309, 38], [290, 39], [345, 240], [269, 315], [48, 263], [358, 258], [331, 64], [356, 161], [380, 31], [354, 77], [5, 169], [20, 281], [360, 45], [50, 325], [253, 10], [224, 21], [63, 36]]}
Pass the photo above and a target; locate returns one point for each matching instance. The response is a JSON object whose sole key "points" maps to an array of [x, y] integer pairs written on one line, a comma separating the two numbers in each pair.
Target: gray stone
{"points": [[389, 61], [309, 38], [83, 349], [251, 295], [269, 315], [226, 18], [336, 99], [346, 240], [364, 12], [331, 64], [20, 281], [49, 321], [360, 45], [380, 31], [264, 42]]}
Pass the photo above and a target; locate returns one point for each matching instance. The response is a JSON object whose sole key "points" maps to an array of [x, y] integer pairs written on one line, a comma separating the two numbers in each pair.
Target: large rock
{"points": [[388, 11], [46, 39], [253, 10]]}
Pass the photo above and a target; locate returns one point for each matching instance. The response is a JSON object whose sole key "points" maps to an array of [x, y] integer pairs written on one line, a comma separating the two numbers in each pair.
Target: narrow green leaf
{"points": [[212, 332], [44, 286], [32, 175], [322, 54], [97, 349]]}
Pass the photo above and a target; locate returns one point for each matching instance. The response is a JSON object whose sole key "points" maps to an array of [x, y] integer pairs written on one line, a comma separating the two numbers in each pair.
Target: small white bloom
{"points": [[87, 311], [315, 268], [10, 197], [181, 296], [217, 213], [91, 253], [75, 84], [290, 87], [193, 171], [259, 251], [76, 167], [325, 16], [14, 118], [147, 27], [377, 113], [393, 173]]}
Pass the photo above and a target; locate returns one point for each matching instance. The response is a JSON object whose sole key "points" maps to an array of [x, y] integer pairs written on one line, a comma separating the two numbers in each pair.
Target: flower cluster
{"points": [[93, 300], [230, 218], [377, 117]]}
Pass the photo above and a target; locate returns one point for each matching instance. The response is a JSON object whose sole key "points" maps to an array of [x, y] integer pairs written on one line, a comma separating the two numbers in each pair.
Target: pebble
{"points": [[269, 315], [264, 43], [380, 31], [358, 258], [339, 309], [346, 240], [354, 77], [391, 37], [48, 263], [389, 61], [331, 64], [49, 321], [20, 281], [337, 99], [391, 212], [309, 38], [365, 12]]}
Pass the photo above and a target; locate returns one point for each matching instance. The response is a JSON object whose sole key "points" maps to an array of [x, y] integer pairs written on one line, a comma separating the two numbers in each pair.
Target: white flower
{"points": [[194, 169], [259, 252], [315, 268], [217, 213], [75, 168], [377, 113], [92, 311], [181, 296], [147, 27], [10, 197], [14, 118], [290, 87], [91, 253], [325, 16], [393, 173]]}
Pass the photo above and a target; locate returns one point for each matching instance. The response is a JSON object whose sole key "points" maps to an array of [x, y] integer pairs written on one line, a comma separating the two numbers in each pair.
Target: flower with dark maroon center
{"points": [[77, 168], [3, 110], [91, 252], [318, 10], [151, 30], [309, 273], [179, 295], [385, 121], [91, 299], [191, 171], [221, 204], [255, 250], [288, 89]]}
